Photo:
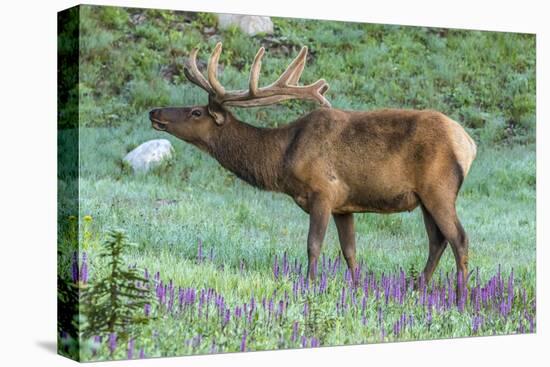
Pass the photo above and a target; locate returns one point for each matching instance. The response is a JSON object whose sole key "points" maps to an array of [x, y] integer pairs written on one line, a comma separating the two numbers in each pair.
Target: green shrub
{"points": [[115, 302]]}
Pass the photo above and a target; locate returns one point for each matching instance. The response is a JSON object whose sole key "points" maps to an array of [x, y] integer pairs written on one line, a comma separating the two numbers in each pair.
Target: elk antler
{"points": [[285, 87]]}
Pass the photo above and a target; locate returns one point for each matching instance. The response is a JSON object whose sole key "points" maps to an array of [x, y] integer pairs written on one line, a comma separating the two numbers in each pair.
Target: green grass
{"points": [[131, 61]]}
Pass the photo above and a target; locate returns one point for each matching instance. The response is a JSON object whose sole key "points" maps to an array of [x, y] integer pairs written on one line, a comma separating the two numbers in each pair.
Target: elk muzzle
{"points": [[156, 120]]}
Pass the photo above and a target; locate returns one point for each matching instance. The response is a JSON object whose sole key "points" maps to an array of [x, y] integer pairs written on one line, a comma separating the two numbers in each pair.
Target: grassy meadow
{"points": [[221, 247]]}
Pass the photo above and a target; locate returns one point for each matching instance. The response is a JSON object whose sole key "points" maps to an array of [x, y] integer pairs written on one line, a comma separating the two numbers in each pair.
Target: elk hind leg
{"points": [[443, 211], [436, 242]]}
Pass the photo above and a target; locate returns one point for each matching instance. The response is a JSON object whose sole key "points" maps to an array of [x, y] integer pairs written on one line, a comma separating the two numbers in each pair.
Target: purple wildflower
{"points": [[84, 269], [498, 276], [131, 344], [476, 323], [461, 292], [170, 291], [281, 307], [252, 303], [396, 329], [476, 298], [422, 288], [294, 331], [96, 343], [276, 267], [295, 288], [323, 282], [227, 317], [270, 307], [357, 273], [243, 342], [286, 267], [503, 309], [112, 342], [347, 276], [141, 353], [74, 267], [343, 298]]}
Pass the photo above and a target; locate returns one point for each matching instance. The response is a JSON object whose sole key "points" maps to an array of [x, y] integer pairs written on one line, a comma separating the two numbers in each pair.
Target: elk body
{"points": [[334, 162]]}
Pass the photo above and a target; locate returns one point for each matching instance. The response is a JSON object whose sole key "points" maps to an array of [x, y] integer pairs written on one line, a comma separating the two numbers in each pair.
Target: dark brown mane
{"points": [[256, 158]]}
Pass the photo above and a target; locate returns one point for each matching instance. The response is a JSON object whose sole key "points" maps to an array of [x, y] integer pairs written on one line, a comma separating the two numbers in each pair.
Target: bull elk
{"points": [[331, 161]]}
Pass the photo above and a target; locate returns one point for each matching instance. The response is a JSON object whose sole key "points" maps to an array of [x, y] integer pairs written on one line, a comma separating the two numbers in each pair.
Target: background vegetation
{"points": [[131, 60]]}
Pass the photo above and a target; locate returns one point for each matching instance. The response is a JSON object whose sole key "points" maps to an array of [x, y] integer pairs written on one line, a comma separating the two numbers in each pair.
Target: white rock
{"points": [[250, 24], [149, 155]]}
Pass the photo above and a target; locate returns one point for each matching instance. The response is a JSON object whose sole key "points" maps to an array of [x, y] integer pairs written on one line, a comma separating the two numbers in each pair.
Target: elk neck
{"points": [[253, 154]]}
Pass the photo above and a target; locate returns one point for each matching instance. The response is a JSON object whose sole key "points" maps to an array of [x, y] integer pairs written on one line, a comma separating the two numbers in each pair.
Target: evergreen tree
{"points": [[116, 301]]}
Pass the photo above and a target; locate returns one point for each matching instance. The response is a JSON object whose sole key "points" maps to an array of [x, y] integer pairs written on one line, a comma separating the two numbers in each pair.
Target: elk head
{"points": [[197, 124]]}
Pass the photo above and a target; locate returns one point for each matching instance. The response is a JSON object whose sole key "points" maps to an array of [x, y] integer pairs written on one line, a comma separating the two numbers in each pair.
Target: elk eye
{"points": [[196, 113]]}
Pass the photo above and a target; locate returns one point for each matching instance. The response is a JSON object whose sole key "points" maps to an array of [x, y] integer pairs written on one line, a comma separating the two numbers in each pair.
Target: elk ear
{"points": [[217, 111]]}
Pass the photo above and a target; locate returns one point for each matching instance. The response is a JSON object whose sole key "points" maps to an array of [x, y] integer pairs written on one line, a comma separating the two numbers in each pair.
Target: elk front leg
{"points": [[319, 213], [346, 235]]}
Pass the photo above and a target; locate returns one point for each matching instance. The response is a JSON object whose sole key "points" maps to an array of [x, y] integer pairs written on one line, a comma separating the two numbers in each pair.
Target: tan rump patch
{"points": [[463, 145]]}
